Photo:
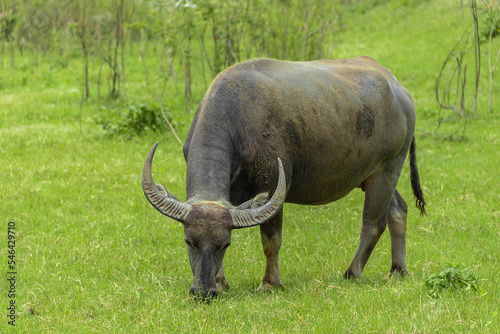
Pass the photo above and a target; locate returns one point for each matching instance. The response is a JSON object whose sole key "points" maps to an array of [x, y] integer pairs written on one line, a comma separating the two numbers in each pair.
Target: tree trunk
{"points": [[123, 68], [12, 55], [187, 70], [115, 91], [99, 79], [187, 74], [123, 41], [492, 67], [477, 52], [216, 47], [86, 68], [3, 50]]}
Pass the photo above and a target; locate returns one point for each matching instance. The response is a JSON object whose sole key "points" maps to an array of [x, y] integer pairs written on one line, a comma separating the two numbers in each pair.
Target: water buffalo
{"points": [[306, 132]]}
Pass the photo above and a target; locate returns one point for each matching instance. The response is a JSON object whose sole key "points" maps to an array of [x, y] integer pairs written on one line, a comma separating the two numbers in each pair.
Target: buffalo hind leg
{"points": [[270, 233], [396, 220], [379, 190]]}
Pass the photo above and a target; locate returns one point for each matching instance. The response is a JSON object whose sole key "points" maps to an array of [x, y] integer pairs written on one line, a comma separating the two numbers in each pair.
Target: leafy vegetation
{"points": [[451, 278], [95, 257], [131, 119], [491, 21]]}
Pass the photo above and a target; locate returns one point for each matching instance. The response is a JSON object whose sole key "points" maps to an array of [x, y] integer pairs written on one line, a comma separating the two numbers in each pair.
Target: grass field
{"points": [[93, 256]]}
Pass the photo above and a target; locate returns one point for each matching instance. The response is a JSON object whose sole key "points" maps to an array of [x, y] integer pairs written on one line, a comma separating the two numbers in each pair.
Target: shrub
{"points": [[451, 278], [132, 119], [491, 23]]}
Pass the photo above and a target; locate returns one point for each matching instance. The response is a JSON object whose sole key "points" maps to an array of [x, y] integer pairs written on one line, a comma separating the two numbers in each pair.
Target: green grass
{"points": [[94, 256]]}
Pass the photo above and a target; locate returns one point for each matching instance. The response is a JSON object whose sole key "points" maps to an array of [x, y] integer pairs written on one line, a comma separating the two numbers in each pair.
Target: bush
{"points": [[451, 278], [491, 19], [132, 119]]}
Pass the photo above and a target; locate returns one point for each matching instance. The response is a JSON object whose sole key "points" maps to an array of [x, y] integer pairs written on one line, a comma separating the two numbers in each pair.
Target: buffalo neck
{"points": [[209, 163]]}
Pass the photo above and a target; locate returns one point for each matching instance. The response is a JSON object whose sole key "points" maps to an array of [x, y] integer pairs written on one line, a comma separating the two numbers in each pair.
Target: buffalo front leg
{"points": [[220, 280], [270, 233], [396, 220]]}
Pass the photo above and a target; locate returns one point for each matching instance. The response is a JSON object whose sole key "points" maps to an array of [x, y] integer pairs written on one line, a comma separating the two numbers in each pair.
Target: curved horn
{"points": [[162, 200], [253, 217]]}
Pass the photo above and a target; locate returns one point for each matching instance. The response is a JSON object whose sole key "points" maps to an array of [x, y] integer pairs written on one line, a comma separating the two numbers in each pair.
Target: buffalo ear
{"points": [[165, 192], [255, 202], [259, 200], [256, 216]]}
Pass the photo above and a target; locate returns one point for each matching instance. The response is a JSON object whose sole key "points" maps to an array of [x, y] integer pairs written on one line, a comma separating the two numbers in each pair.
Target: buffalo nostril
{"points": [[203, 294], [213, 293]]}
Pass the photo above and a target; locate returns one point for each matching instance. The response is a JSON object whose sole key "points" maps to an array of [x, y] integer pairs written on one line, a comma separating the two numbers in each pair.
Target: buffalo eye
{"points": [[225, 246], [190, 243]]}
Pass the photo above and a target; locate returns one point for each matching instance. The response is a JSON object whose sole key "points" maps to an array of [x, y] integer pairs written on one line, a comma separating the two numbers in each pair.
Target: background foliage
{"points": [[193, 40], [93, 256]]}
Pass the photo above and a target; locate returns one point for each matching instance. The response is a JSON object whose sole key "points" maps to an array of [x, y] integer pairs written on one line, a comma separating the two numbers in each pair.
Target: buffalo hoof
{"points": [[265, 287], [349, 274], [203, 295], [222, 285], [398, 270]]}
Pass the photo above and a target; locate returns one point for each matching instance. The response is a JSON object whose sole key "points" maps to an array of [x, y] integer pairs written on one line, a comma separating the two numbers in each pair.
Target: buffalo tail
{"points": [[415, 180]]}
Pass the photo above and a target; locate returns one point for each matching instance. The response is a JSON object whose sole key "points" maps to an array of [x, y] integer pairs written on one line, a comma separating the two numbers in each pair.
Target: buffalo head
{"points": [[208, 225]]}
